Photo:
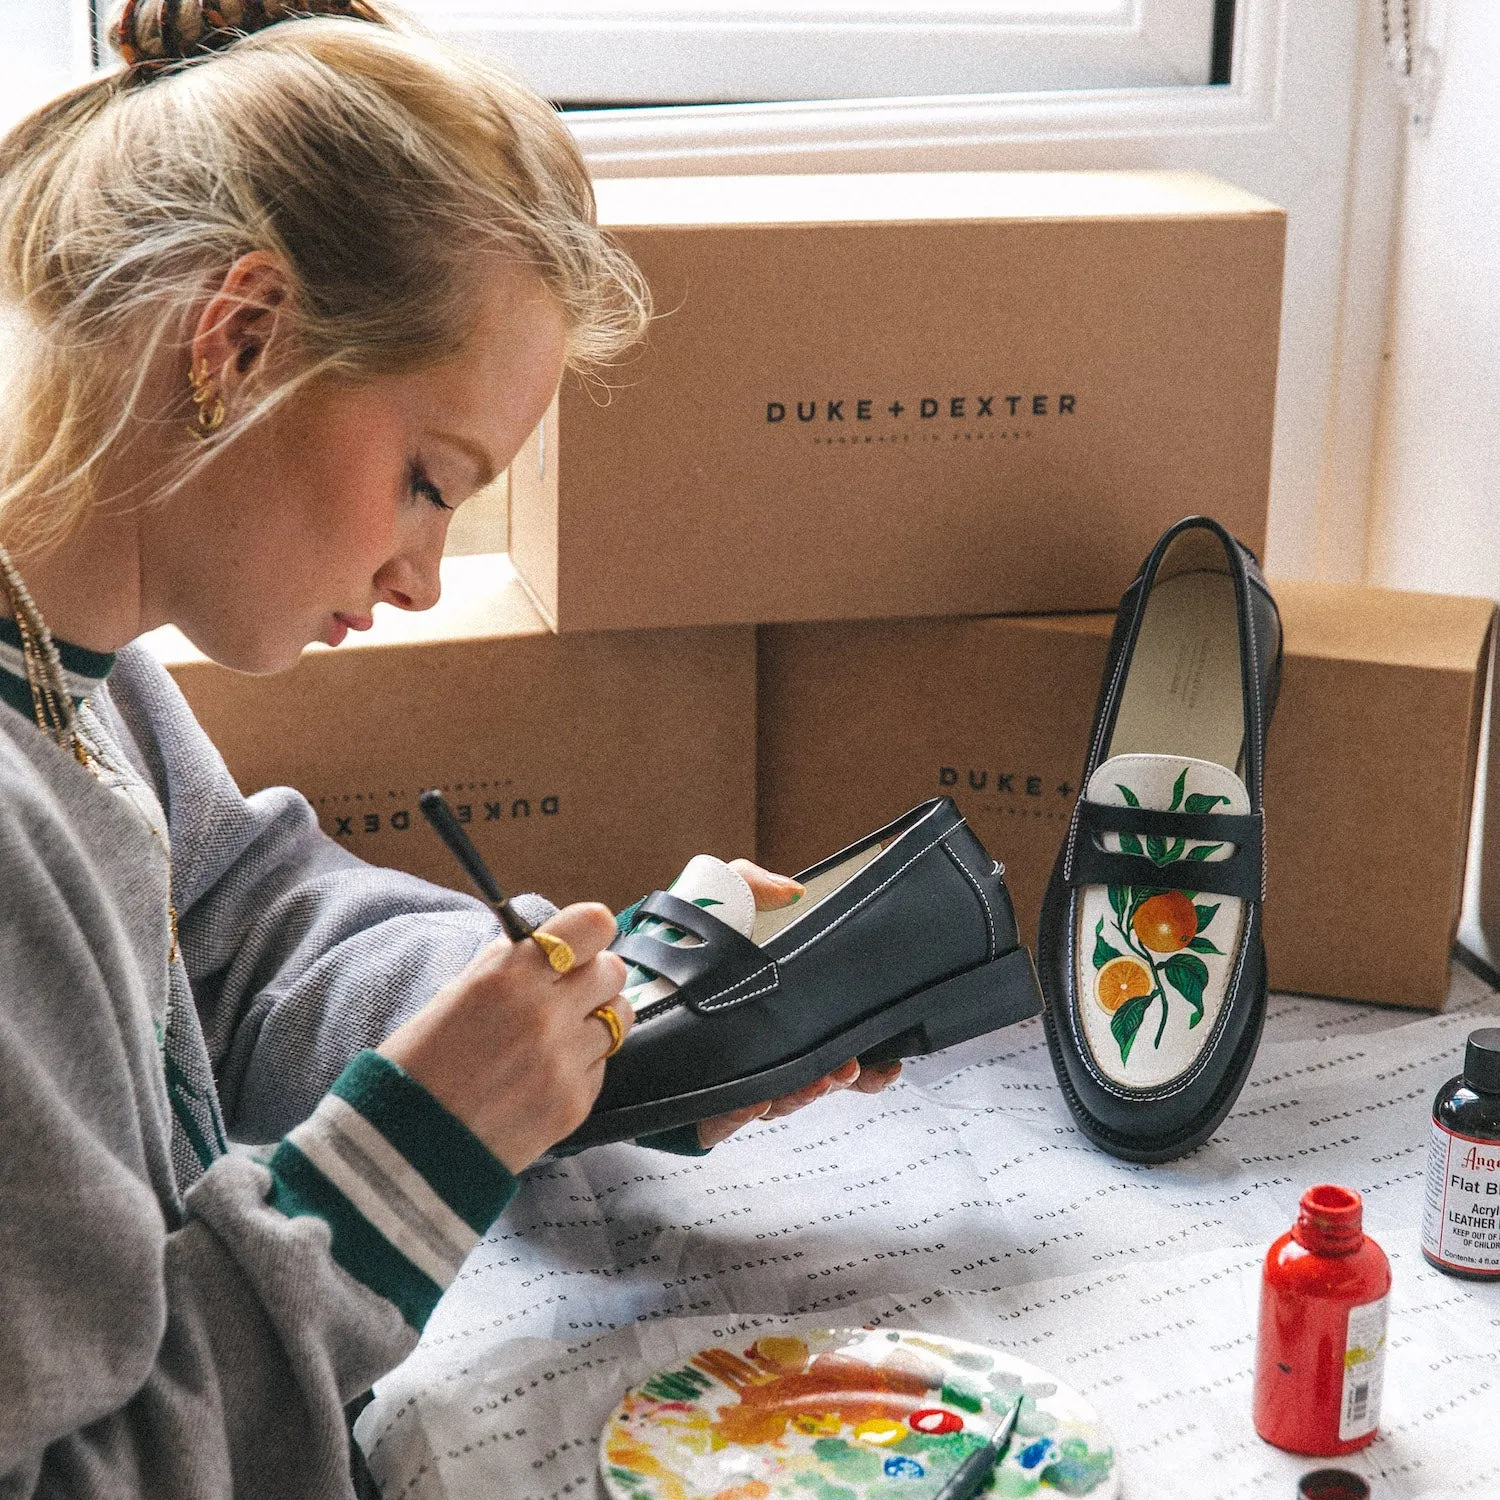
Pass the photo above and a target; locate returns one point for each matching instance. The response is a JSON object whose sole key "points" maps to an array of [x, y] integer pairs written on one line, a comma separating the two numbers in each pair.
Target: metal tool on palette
{"points": [[974, 1472], [437, 812]]}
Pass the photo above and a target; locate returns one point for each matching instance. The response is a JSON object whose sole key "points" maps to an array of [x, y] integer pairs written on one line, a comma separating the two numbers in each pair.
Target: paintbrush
{"points": [[437, 812], [973, 1473]]}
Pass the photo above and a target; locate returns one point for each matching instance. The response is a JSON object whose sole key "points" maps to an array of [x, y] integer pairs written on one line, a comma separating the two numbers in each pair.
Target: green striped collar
{"points": [[83, 670]]}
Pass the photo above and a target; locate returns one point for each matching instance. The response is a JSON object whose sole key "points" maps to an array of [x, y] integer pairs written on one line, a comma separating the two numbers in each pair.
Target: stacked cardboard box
{"points": [[920, 431]]}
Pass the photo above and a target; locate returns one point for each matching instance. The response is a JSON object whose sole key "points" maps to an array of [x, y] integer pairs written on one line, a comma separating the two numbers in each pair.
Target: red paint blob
{"points": [[935, 1421]]}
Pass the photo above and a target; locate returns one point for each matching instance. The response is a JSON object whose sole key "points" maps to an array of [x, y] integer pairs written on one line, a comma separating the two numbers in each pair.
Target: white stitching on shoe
{"points": [[871, 895], [984, 901], [709, 1003], [716, 1001]]}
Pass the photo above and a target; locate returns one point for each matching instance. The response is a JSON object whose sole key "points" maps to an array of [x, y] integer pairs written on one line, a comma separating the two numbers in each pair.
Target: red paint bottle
{"points": [[1320, 1354]]}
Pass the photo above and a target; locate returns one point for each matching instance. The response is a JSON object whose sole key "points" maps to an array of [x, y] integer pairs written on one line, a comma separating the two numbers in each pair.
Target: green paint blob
{"points": [[1077, 1469], [1012, 1484], [851, 1461], [962, 1396], [973, 1359], [686, 1384], [822, 1489]]}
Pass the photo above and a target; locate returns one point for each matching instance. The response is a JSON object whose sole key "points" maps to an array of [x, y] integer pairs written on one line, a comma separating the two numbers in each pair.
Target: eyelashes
{"points": [[420, 484]]}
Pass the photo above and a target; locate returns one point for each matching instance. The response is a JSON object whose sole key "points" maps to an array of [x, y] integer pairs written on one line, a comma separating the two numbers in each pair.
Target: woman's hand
{"points": [[772, 892], [510, 1046]]}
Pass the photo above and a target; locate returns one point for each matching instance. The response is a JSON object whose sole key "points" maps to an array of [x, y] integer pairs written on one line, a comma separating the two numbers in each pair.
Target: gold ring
{"points": [[611, 1019], [559, 954]]}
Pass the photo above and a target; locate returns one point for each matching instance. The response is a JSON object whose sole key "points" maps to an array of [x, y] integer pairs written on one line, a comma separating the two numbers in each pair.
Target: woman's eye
{"points": [[423, 486]]}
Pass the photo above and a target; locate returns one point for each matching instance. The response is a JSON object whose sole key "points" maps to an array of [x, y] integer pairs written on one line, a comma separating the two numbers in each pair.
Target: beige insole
{"points": [[769, 923], [1182, 690]]}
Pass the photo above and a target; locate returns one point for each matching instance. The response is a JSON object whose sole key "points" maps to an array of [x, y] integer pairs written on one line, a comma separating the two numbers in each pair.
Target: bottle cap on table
{"points": [[1482, 1061], [1332, 1484]]}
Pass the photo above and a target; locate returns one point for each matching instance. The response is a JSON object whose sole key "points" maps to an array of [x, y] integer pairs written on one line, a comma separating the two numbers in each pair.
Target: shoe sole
{"points": [[970, 1004]]}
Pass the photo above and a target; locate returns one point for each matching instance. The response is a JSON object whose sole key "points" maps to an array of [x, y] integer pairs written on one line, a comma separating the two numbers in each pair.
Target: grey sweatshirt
{"points": [[178, 1318]]}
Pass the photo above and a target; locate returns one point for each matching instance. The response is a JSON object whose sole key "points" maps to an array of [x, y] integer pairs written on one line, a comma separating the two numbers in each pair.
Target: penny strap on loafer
{"points": [[710, 974], [1242, 874]]}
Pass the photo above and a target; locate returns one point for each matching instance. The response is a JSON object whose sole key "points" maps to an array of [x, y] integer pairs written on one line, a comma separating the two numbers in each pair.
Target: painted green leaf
{"points": [[1119, 898], [1156, 847], [1205, 913], [1127, 1021], [1204, 850], [1175, 852], [1102, 951], [1131, 800], [1188, 975], [1201, 802], [1129, 844], [1202, 945], [1177, 787]]}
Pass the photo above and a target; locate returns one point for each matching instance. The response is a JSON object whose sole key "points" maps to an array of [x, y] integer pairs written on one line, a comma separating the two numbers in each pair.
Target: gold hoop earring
{"points": [[210, 404]]}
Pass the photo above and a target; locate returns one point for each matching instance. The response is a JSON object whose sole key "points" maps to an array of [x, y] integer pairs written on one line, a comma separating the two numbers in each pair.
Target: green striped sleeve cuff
{"points": [[406, 1187]]}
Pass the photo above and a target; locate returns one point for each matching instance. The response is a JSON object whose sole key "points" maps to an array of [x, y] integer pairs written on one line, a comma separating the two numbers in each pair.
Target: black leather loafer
{"points": [[1149, 945], [904, 943]]}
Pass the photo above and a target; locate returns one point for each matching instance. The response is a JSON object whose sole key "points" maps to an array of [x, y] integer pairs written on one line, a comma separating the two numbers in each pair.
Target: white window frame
{"points": [[689, 51], [1309, 120]]}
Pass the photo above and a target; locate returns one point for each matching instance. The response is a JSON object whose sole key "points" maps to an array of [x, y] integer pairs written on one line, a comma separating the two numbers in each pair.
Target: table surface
{"points": [[965, 1201]]}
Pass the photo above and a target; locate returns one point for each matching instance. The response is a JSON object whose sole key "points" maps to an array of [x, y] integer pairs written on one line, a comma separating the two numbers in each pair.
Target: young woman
{"points": [[275, 310]]}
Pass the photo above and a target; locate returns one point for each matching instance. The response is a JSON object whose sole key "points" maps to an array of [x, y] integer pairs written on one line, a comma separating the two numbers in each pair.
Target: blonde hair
{"points": [[378, 166]]}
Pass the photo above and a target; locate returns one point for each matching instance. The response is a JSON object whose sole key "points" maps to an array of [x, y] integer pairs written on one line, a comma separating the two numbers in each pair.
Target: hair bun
{"points": [[164, 31]]}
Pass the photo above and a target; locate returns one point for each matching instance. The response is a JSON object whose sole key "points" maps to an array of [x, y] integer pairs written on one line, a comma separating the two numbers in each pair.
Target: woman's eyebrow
{"points": [[473, 451]]}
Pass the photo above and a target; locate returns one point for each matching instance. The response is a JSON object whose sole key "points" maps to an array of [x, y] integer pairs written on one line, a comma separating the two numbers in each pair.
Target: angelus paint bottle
{"points": [[1320, 1354], [1461, 1218]]}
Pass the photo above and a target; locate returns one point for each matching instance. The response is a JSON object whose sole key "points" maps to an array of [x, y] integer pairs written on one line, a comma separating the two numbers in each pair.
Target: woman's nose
{"points": [[411, 582]]}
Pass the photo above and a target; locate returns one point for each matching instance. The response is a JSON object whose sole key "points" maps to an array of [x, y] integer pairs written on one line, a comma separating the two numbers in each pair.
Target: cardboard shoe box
{"points": [[1369, 776], [883, 395], [586, 768]]}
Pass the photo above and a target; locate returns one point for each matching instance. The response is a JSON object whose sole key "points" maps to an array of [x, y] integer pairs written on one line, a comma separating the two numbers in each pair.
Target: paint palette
{"points": [[849, 1414]]}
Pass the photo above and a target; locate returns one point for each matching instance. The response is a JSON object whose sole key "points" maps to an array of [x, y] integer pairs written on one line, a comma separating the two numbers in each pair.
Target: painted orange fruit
{"points": [[1166, 922], [1121, 979]]}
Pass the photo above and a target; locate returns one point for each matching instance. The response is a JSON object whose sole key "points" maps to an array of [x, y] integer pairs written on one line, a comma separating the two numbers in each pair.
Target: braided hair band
{"points": [[155, 32]]}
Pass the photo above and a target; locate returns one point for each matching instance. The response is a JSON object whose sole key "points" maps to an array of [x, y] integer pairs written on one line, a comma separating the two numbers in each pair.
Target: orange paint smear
{"points": [[850, 1389]]}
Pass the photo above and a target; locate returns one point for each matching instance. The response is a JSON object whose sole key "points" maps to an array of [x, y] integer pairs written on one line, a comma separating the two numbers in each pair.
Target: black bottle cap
{"points": [[1482, 1061], [1332, 1484]]}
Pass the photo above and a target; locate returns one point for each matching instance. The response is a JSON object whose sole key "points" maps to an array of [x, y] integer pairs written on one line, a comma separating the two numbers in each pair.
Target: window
{"points": [[614, 52], [46, 50]]}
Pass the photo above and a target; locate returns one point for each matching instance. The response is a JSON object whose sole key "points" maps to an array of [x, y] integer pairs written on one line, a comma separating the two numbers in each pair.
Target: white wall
{"points": [[1436, 507], [1437, 494]]}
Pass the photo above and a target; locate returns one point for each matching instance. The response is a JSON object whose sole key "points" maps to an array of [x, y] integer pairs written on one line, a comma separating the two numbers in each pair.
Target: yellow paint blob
{"points": [[880, 1431]]}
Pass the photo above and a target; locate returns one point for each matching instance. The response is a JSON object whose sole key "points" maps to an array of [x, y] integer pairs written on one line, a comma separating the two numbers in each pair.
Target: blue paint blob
{"points": [[899, 1467], [1033, 1453]]}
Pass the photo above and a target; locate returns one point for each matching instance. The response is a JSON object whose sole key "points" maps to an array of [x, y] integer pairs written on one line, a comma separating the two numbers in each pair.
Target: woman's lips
{"points": [[343, 624]]}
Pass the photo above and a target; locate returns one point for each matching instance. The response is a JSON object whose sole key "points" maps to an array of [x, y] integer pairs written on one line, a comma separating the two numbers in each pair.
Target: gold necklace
{"points": [[51, 702]]}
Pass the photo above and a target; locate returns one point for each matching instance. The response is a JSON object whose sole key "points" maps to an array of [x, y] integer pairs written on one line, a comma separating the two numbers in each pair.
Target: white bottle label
{"points": [[1364, 1370], [1461, 1218]]}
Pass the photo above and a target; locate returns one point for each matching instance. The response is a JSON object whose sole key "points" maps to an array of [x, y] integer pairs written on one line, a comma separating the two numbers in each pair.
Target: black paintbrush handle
{"points": [[973, 1473], [437, 812]]}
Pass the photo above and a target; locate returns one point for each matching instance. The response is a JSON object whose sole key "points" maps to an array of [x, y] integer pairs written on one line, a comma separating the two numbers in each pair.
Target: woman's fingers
{"points": [[877, 1076], [616, 1029], [587, 928], [721, 1127], [515, 1049], [771, 892], [852, 1075]]}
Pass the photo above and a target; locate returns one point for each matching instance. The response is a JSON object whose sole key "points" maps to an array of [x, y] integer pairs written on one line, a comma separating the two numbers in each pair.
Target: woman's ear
{"points": [[241, 321]]}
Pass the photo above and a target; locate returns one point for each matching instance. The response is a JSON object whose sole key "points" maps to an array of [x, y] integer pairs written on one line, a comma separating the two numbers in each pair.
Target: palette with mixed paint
{"points": [[848, 1414]]}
